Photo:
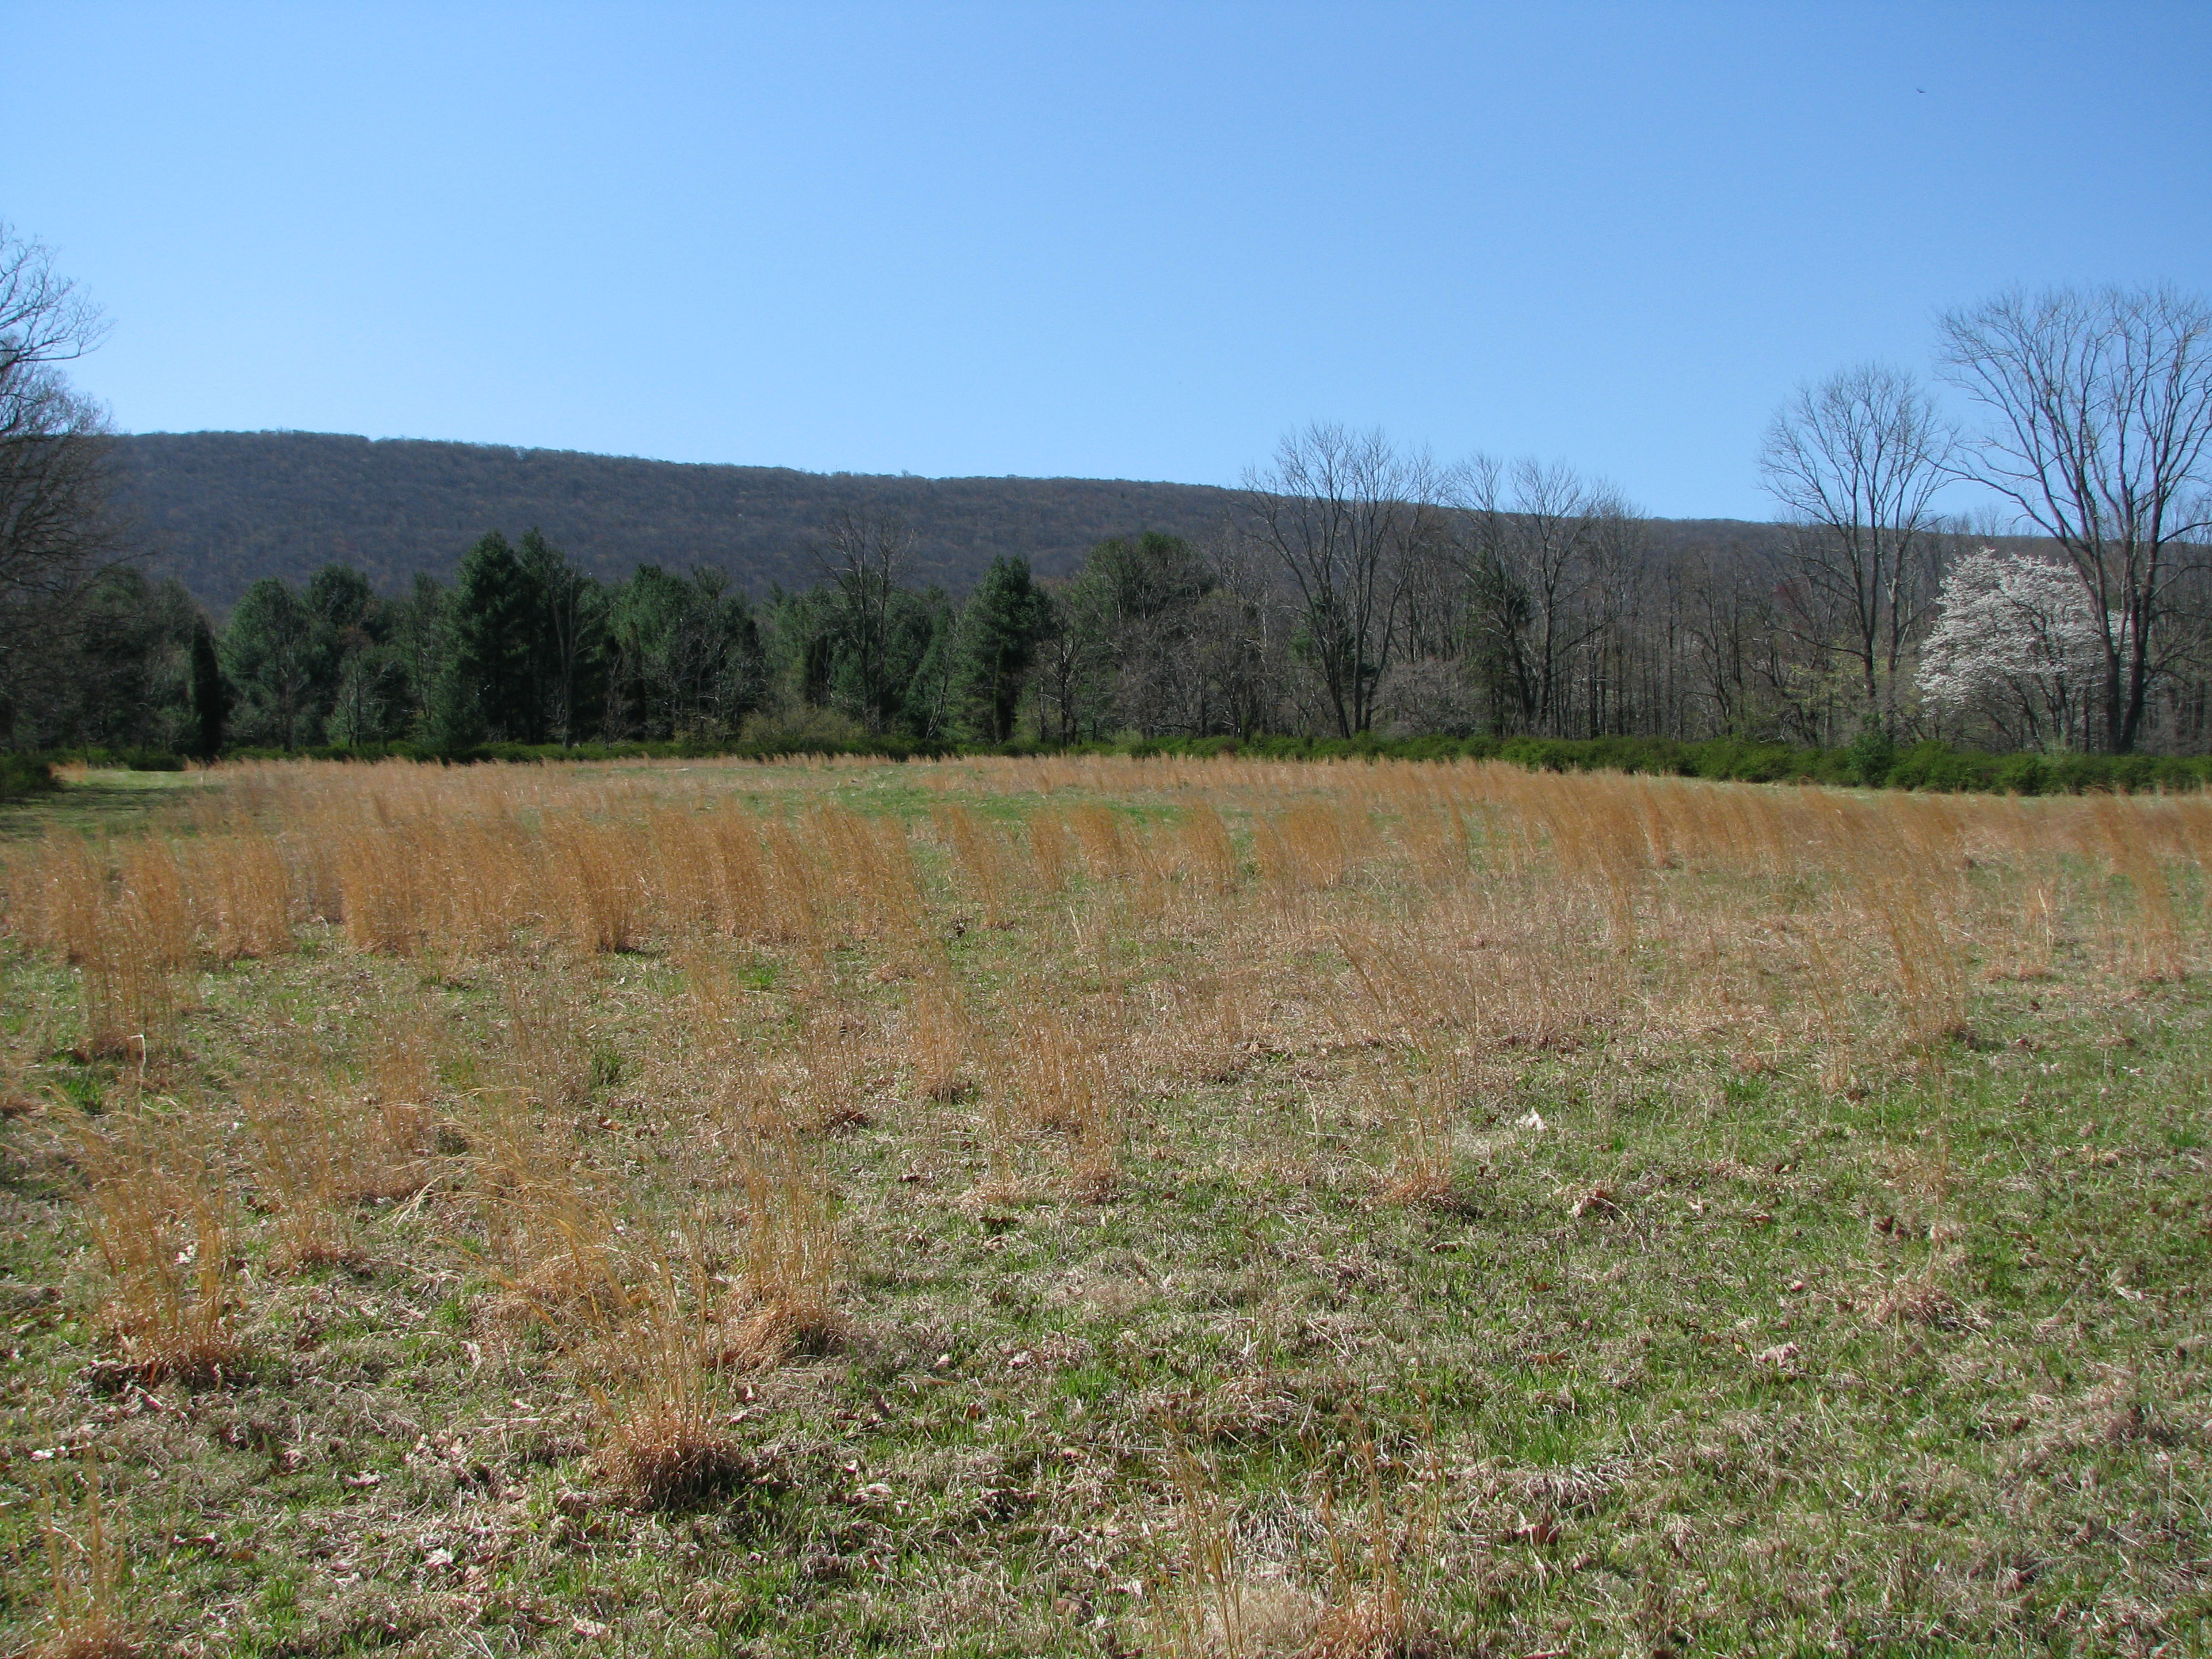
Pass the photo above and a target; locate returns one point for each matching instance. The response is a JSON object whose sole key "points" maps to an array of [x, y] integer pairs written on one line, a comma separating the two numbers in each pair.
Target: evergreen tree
{"points": [[999, 630], [490, 691], [211, 696], [687, 655], [423, 646], [277, 653], [1124, 654], [930, 628], [568, 638]]}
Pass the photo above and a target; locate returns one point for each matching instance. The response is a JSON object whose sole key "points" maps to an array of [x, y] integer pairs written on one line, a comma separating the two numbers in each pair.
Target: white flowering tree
{"points": [[2017, 643], [2100, 433]]}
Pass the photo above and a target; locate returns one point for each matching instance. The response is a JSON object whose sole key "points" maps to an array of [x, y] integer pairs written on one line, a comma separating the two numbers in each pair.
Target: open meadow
{"points": [[1101, 1206]]}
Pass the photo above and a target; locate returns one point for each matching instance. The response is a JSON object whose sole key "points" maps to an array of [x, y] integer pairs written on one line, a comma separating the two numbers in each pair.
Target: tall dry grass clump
{"points": [[1207, 855], [715, 1005], [161, 1218], [127, 931], [549, 1238], [149, 878], [303, 1161], [1049, 851], [640, 1331], [125, 975], [980, 851], [833, 1053], [1381, 1548], [1903, 872], [1314, 848], [663, 1406], [489, 881], [1382, 1542], [320, 1156], [1438, 842], [402, 1087], [1056, 1078], [940, 1038], [1099, 841], [744, 903], [603, 892], [1417, 1094], [547, 1042], [243, 894], [1208, 1605], [792, 1259], [384, 891], [2124, 835], [86, 1572], [1215, 1029], [800, 898], [869, 861], [56, 901], [1595, 829], [686, 896]]}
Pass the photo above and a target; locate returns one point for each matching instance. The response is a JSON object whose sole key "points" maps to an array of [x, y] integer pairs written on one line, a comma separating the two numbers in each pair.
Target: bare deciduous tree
{"points": [[1543, 551], [1345, 512], [2101, 435], [1855, 462], [55, 531], [865, 561]]}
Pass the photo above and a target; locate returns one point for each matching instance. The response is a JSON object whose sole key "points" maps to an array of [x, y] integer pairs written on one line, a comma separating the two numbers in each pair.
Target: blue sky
{"points": [[1114, 240]]}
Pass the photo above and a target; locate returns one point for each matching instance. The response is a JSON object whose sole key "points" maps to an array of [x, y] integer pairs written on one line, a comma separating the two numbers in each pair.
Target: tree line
{"points": [[1352, 586], [525, 648]]}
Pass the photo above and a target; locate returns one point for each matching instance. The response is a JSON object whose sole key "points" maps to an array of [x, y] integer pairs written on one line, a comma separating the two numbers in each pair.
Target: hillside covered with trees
{"points": [[220, 510]]}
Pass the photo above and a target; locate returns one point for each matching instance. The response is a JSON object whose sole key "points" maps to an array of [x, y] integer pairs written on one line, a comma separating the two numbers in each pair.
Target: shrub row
{"points": [[24, 775], [1872, 761]]}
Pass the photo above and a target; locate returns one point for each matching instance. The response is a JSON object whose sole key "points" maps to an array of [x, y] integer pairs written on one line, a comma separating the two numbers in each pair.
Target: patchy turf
{"points": [[1574, 1231]]}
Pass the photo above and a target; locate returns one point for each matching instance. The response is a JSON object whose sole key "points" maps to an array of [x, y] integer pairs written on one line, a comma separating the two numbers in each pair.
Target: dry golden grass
{"points": [[160, 1217], [940, 1038], [1421, 1095], [792, 1253], [87, 1573], [129, 986], [245, 895], [666, 1442], [1049, 850], [305, 1167]]}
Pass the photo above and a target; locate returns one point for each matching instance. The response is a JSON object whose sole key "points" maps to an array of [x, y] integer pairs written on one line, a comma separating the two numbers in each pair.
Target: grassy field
{"points": [[1100, 1207]]}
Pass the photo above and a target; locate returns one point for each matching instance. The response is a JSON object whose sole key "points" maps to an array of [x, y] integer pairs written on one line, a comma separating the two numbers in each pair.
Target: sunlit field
{"points": [[1101, 1206]]}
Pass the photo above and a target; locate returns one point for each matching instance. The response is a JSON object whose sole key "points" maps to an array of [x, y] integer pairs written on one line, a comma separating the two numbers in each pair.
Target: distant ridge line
{"points": [[219, 510]]}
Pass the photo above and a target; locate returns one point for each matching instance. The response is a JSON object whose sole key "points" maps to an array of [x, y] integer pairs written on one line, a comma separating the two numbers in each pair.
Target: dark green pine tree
{"points": [[999, 629], [211, 696], [489, 690], [277, 653], [568, 640]]}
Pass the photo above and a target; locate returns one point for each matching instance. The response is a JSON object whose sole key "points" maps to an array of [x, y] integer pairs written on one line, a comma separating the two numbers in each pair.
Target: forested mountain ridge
{"points": [[219, 510]]}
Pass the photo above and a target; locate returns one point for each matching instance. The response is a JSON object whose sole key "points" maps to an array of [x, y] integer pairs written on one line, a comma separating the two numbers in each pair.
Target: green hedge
{"points": [[1935, 767], [118, 760], [1871, 762], [517, 753], [25, 775]]}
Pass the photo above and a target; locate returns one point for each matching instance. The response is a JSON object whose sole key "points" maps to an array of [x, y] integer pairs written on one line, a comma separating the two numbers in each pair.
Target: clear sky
{"points": [[1114, 240]]}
